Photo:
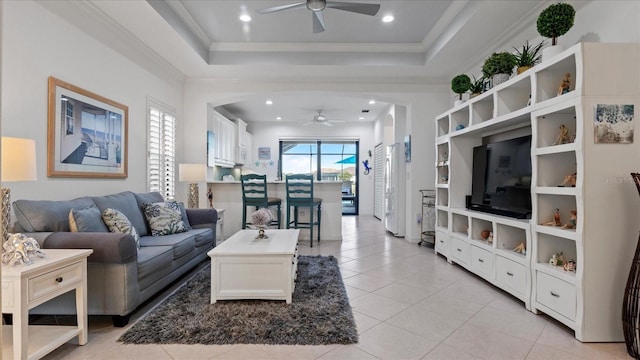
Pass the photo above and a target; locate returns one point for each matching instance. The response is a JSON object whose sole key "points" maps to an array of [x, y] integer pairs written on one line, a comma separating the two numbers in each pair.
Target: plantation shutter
{"points": [[162, 149]]}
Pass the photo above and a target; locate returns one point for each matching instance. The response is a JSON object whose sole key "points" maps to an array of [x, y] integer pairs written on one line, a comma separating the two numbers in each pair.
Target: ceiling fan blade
{"points": [[318, 22], [326, 123], [282, 7], [365, 9], [308, 123]]}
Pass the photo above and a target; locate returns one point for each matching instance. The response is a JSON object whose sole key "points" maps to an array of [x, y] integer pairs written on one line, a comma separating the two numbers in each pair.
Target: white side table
{"points": [[220, 224], [27, 286]]}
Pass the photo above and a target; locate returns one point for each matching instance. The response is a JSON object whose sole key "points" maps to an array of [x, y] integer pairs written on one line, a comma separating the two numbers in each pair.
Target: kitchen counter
{"points": [[228, 195]]}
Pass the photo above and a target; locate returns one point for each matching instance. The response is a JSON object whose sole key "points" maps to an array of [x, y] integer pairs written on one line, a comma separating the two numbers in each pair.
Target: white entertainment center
{"points": [[589, 300]]}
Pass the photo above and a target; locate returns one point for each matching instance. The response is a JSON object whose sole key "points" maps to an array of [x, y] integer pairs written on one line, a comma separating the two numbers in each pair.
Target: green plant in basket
{"points": [[528, 55], [555, 21], [460, 85], [499, 63], [477, 85]]}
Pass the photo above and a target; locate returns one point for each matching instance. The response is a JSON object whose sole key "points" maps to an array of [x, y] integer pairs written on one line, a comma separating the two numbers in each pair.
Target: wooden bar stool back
{"points": [[254, 193], [299, 189]]}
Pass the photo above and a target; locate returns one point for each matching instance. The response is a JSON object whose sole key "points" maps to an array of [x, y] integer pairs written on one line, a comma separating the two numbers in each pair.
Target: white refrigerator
{"points": [[394, 217]]}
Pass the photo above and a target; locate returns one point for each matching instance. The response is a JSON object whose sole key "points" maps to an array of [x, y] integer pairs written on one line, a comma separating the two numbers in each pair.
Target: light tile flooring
{"points": [[408, 304]]}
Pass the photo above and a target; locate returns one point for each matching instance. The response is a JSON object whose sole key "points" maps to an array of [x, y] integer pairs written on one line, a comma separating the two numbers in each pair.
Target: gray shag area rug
{"points": [[319, 314]]}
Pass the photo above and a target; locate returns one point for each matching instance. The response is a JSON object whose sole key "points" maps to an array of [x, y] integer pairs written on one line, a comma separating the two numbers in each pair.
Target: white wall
{"points": [[38, 44]]}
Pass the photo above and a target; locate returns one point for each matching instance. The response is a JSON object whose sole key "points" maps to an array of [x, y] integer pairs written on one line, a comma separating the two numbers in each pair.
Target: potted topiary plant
{"points": [[460, 85], [498, 67], [555, 21], [477, 86], [528, 56]]}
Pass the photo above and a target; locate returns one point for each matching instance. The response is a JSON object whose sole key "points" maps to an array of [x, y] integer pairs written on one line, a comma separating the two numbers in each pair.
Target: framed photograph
{"points": [[407, 148], [86, 134], [613, 124]]}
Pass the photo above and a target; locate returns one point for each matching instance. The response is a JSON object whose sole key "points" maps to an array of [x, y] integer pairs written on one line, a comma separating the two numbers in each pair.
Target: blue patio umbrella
{"points": [[349, 160]]}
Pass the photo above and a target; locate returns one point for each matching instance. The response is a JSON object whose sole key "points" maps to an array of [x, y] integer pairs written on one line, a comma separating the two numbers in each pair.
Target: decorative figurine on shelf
{"points": [[565, 84], [444, 179], [484, 234], [17, 249], [490, 238], [569, 180], [572, 220], [459, 127], [210, 197], [563, 136], [570, 266], [556, 219], [522, 249], [557, 259]]}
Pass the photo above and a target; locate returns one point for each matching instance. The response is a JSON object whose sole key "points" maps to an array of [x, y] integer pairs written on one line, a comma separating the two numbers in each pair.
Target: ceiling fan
{"points": [[317, 6], [321, 119]]}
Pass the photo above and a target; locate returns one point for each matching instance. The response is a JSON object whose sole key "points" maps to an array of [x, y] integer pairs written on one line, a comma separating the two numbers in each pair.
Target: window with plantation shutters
{"points": [[162, 149]]}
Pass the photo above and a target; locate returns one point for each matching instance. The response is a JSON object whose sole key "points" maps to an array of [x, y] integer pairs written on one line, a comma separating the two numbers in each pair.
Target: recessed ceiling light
{"points": [[278, 117], [371, 102], [361, 118], [388, 18], [269, 102], [245, 18]]}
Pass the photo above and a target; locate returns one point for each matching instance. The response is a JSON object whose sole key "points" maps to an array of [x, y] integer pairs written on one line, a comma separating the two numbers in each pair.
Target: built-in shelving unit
{"points": [[602, 243]]}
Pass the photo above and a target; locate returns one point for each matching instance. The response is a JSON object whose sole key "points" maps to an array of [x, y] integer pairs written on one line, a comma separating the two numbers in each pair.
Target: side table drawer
{"points": [[63, 278], [558, 295]]}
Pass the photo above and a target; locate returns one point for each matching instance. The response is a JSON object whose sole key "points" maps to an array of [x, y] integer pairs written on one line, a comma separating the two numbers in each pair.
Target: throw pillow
{"points": [[164, 218], [185, 218], [117, 222], [86, 220]]}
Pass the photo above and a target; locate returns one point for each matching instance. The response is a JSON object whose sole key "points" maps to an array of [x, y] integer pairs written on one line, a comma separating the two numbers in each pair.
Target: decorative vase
{"points": [[498, 79], [522, 69], [550, 51], [631, 301]]}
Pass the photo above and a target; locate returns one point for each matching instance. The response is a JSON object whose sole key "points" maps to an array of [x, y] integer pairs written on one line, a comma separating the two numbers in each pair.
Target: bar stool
{"points": [[300, 194], [254, 193]]}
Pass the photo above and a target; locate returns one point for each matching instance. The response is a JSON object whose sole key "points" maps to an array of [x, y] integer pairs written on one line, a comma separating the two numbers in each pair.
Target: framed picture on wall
{"points": [[86, 133], [407, 148]]}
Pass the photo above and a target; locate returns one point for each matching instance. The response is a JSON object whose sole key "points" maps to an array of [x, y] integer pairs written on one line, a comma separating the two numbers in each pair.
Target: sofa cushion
{"points": [[117, 222], [203, 236], [154, 262], [126, 203], [47, 215], [150, 197], [185, 218], [182, 243], [164, 218], [88, 219]]}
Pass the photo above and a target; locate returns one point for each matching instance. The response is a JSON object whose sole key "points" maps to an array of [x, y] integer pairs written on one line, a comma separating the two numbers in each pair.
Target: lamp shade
{"points": [[192, 172], [18, 157]]}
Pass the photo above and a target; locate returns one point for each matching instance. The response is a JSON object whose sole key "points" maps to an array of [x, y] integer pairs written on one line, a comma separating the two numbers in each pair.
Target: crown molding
{"points": [[317, 47], [190, 22]]}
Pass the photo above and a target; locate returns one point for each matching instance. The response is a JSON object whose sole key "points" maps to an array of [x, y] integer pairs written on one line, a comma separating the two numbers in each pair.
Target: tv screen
{"points": [[501, 178]]}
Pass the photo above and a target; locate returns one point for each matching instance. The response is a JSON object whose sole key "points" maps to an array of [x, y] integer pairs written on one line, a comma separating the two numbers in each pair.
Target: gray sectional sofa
{"points": [[120, 276]]}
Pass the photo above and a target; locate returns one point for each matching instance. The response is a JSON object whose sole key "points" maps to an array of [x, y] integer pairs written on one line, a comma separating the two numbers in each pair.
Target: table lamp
{"points": [[18, 160], [192, 173]]}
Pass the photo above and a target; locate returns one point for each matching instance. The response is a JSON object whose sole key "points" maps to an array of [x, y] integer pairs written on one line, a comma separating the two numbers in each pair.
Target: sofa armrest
{"points": [[202, 217], [107, 247]]}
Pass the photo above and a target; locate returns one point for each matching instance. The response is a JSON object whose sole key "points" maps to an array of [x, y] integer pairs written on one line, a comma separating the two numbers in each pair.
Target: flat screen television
{"points": [[501, 178]]}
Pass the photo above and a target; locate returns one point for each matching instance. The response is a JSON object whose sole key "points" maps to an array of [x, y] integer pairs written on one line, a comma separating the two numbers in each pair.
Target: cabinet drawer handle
{"points": [[459, 249], [554, 294], [59, 279], [509, 273], [481, 260], [442, 241]]}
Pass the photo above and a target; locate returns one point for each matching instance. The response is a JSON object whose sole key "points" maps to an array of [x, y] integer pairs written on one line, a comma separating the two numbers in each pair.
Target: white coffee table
{"points": [[243, 267]]}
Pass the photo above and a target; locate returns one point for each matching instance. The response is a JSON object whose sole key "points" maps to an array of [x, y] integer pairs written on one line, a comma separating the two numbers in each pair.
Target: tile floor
{"points": [[408, 304]]}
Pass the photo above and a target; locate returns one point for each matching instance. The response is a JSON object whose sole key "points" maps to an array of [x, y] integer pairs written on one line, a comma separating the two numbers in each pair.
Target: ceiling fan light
{"points": [[388, 18], [316, 5], [245, 18]]}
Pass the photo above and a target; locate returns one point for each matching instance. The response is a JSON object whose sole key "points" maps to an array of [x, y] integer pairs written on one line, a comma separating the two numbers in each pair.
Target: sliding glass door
{"points": [[331, 160]]}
